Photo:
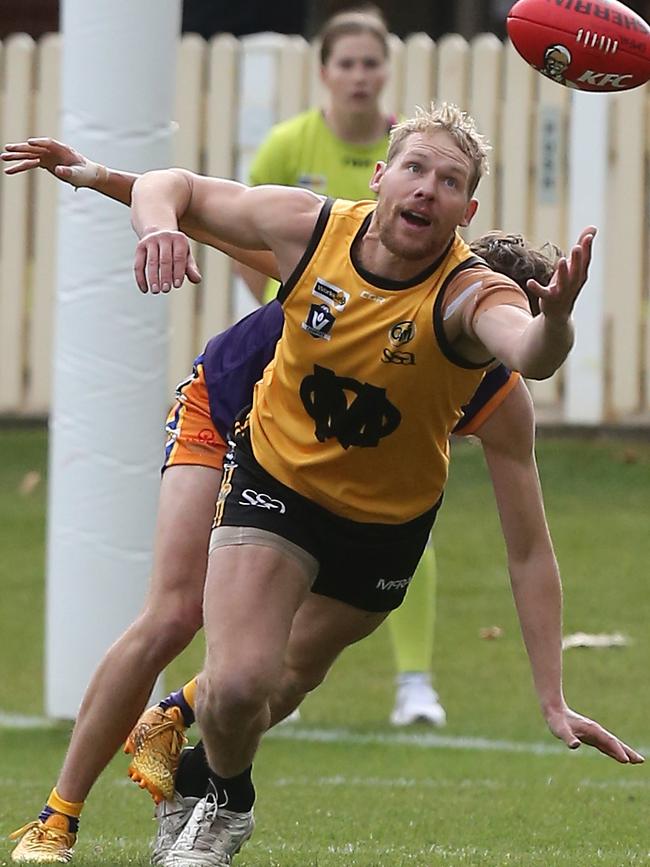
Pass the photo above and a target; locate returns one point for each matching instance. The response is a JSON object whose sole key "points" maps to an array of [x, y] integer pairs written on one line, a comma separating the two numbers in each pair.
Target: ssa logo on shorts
{"points": [[262, 501]]}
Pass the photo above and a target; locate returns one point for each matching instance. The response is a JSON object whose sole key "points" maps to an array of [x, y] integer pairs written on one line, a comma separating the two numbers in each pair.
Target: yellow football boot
{"points": [[48, 842], [155, 744]]}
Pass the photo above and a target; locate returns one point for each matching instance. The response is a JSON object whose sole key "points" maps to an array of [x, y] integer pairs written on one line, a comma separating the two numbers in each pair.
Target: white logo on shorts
{"points": [[393, 583], [262, 501]]}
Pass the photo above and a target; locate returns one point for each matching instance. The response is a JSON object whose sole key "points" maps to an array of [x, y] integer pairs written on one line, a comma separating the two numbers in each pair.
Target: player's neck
{"points": [[379, 259], [361, 128]]}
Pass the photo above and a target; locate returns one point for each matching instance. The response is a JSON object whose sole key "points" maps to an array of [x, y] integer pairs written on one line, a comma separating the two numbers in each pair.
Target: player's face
{"points": [[423, 196], [355, 73]]}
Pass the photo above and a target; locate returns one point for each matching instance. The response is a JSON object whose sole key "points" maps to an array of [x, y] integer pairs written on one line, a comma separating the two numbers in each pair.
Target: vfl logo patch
{"points": [[319, 322], [262, 501], [331, 294], [402, 332]]}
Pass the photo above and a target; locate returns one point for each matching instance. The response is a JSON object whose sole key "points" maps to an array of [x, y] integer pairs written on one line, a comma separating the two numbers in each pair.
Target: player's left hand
{"points": [[557, 299], [163, 259], [575, 729]]}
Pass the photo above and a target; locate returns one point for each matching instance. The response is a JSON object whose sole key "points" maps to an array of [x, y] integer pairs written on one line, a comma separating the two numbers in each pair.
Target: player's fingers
{"points": [[152, 266], [564, 732], [66, 173], [587, 235], [181, 256], [192, 271], [22, 166], [166, 254], [25, 147], [139, 268], [595, 735]]}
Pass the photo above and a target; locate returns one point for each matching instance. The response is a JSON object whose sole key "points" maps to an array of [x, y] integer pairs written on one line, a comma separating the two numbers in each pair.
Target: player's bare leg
{"points": [[251, 596], [171, 616], [321, 630]]}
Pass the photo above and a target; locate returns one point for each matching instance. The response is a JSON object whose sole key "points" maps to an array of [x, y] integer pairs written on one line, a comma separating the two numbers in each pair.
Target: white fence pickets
{"points": [[15, 212], [228, 93]]}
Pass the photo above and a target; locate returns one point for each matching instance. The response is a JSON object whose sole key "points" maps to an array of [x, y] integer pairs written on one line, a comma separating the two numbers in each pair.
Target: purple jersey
{"points": [[234, 360]]}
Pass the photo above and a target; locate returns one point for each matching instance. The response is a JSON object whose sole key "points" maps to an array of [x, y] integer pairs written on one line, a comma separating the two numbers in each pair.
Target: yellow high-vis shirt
{"points": [[304, 152], [355, 410]]}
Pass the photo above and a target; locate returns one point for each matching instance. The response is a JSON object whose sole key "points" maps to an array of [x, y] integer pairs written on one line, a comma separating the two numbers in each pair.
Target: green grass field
{"points": [[342, 787]]}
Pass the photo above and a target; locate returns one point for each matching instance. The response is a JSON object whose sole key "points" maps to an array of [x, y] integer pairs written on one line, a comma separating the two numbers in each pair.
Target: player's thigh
{"points": [[321, 629], [252, 593], [186, 507]]}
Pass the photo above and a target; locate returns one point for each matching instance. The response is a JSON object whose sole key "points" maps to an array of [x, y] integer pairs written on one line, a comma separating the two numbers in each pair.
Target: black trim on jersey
{"points": [[384, 282], [438, 328], [310, 249]]}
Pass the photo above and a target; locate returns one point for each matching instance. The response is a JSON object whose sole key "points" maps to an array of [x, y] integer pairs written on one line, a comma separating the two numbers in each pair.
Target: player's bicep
{"points": [[255, 218]]}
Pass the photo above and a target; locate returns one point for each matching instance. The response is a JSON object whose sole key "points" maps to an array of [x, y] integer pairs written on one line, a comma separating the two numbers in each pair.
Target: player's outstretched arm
{"points": [[68, 165], [537, 347], [72, 167], [508, 442], [281, 219]]}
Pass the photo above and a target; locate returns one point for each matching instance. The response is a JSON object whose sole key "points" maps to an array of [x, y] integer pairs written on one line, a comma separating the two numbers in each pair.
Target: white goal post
{"points": [[110, 353]]}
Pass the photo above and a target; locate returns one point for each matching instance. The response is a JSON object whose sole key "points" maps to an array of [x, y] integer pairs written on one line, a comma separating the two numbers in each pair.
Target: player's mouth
{"points": [[415, 219]]}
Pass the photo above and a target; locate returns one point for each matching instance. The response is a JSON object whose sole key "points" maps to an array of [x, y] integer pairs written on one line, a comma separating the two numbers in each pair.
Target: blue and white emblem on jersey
{"points": [[331, 294], [320, 321]]}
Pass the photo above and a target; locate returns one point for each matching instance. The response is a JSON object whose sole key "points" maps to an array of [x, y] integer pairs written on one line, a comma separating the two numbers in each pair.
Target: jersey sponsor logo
{"points": [[394, 356], [352, 412], [402, 332], [338, 298], [319, 322], [262, 501], [393, 583], [370, 296]]}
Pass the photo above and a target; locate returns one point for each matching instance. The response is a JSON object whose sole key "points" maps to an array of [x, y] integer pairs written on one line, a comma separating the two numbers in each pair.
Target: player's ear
{"points": [[470, 210], [380, 170]]}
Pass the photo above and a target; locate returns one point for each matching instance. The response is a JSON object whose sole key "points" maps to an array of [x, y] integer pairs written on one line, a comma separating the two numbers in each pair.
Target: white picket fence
{"points": [[231, 91]]}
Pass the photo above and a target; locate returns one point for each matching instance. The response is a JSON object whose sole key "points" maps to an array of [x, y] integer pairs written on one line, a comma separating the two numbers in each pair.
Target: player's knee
{"points": [[232, 695], [301, 679], [171, 627]]}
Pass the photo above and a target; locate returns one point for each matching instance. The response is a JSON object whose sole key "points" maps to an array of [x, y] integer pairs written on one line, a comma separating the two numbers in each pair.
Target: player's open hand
{"points": [[164, 259], [575, 729], [557, 299], [58, 158]]}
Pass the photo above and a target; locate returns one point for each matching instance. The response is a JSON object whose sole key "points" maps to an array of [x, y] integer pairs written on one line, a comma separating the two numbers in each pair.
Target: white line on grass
{"points": [[426, 740], [21, 721]]}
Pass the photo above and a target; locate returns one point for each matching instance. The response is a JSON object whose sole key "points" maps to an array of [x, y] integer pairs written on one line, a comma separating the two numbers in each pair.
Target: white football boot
{"points": [[417, 701]]}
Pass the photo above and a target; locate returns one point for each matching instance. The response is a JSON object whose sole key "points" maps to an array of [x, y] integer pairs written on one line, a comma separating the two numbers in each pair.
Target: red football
{"points": [[597, 46]]}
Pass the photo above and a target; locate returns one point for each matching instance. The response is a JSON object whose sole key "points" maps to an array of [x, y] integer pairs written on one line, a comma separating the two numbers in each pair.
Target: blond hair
{"points": [[460, 126]]}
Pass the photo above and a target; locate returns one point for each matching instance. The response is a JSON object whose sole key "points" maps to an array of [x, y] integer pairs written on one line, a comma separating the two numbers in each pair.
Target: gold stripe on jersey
{"points": [[355, 409]]}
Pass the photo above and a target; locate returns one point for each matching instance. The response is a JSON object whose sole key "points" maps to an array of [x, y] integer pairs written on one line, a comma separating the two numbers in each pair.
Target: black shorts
{"points": [[366, 565]]}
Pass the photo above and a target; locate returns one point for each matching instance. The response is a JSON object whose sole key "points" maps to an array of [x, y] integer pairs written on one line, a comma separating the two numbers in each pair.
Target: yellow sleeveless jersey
{"points": [[355, 410]]}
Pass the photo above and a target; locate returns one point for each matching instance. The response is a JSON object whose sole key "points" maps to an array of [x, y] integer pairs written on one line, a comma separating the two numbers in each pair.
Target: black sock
{"points": [[193, 773], [234, 793]]}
